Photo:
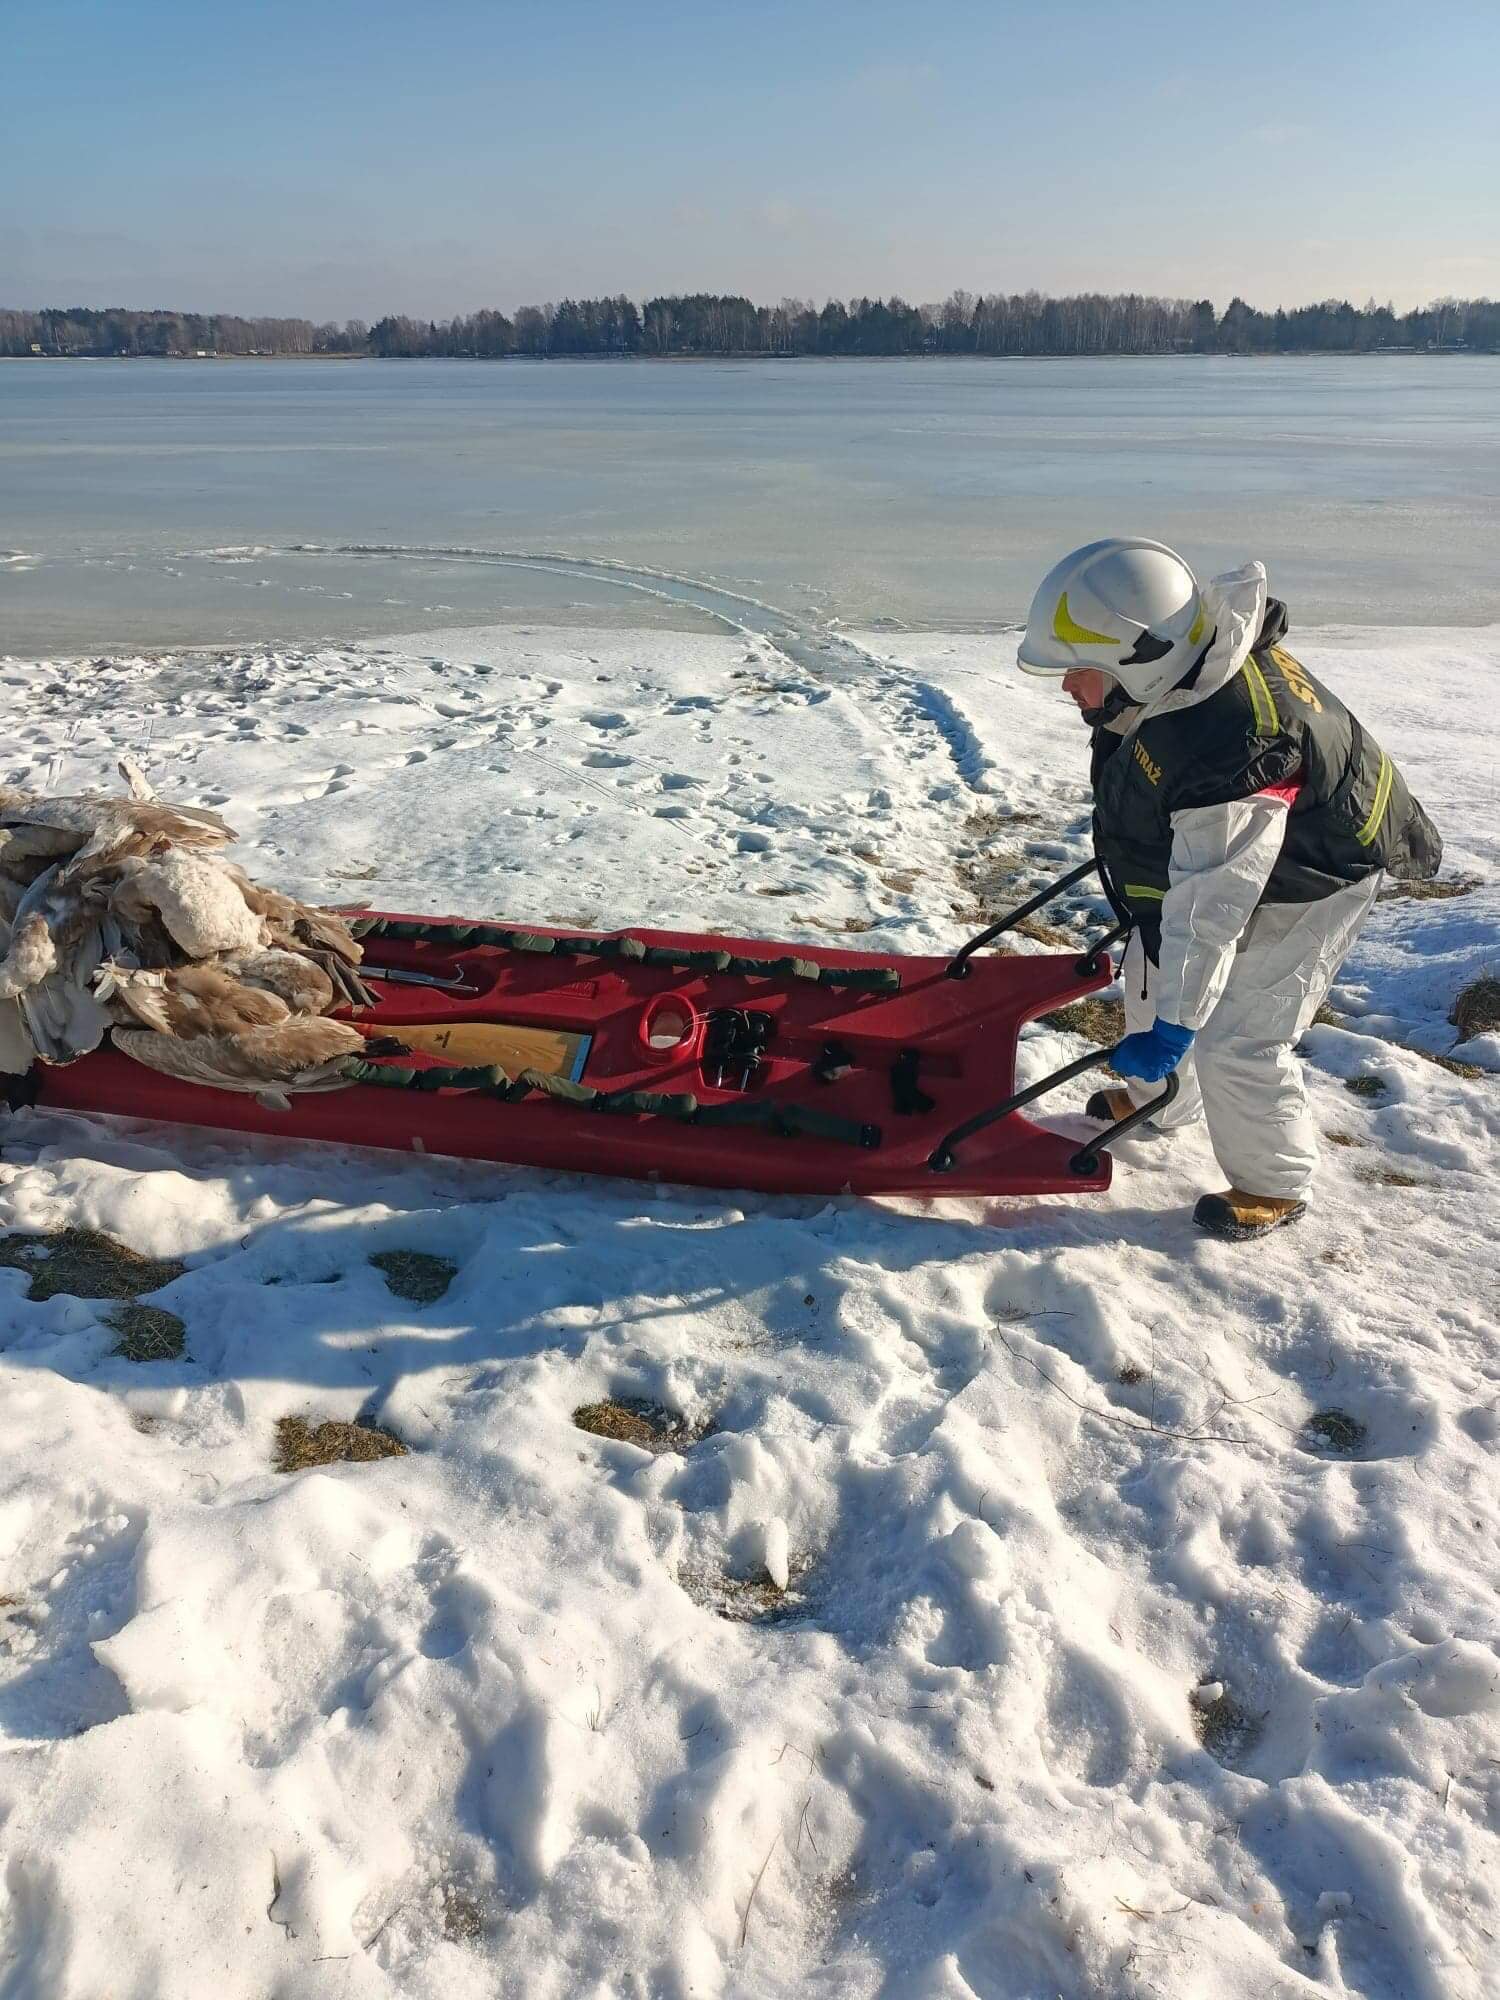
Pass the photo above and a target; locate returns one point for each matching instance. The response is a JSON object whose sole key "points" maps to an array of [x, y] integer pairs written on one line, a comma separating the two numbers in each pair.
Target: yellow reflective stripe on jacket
{"points": [[1267, 715], [1142, 893], [1382, 799]]}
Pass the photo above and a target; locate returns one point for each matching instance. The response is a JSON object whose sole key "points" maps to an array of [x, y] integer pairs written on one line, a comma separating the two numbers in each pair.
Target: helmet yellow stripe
{"points": [[1066, 627]]}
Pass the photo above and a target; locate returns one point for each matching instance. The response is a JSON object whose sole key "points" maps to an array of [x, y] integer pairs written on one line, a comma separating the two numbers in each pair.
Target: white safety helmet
{"points": [[1129, 607]]}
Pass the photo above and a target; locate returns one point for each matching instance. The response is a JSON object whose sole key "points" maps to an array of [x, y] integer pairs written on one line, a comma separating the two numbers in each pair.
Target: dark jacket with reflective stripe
{"points": [[1272, 724]]}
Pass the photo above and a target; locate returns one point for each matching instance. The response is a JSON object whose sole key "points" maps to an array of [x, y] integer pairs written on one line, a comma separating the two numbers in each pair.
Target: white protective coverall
{"points": [[1247, 977]]}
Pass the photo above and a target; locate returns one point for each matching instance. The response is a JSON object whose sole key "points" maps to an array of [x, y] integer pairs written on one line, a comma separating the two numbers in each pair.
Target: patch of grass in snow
{"points": [[839, 928], [747, 1600], [1476, 1011], [300, 1445], [1130, 1374], [634, 1420], [1047, 934], [1391, 1177], [148, 1333], [415, 1274], [464, 1919], [989, 869], [1368, 1087], [1470, 1072], [1224, 1728], [993, 875], [989, 876], [1343, 1139], [832, 1906], [84, 1264], [1099, 1021], [1439, 891], [1332, 1430]]}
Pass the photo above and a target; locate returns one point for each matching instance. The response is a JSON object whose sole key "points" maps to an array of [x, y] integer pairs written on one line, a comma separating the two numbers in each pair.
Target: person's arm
{"points": [[1222, 857]]}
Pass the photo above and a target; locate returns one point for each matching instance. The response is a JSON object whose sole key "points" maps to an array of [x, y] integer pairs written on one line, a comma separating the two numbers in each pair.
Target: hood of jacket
{"points": [[1244, 618]]}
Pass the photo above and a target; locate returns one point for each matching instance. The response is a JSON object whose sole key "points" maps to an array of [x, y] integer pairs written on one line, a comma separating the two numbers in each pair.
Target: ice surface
{"points": [[162, 505], [1042, 1601]]}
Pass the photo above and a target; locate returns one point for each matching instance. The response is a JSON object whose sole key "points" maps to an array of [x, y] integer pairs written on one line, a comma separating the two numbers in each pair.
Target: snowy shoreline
{"points": [[1110, 1662]]}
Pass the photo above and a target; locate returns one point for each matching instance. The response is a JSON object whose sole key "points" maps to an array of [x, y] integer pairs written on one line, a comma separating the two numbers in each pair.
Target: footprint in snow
{"points": [[1090, 1736]]}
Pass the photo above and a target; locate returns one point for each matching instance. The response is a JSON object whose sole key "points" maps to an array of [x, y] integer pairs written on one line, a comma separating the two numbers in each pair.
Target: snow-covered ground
{"points": [[1098, 1675]]}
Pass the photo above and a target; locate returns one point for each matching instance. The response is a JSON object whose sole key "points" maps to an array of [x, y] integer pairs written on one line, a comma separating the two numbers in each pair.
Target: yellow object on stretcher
{"points": [[511, 1044]]}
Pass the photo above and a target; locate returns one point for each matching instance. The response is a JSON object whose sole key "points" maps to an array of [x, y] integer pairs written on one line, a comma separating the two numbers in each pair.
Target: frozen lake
{"points": [[161, 504]]}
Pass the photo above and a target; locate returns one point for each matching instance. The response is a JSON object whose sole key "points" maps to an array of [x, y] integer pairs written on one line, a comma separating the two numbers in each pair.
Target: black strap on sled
{"points": [[785, 1121], [711, 962]]}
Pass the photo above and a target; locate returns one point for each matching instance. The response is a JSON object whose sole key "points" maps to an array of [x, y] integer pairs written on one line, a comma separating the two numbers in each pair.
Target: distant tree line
{"points": [[703, 323], [116, 330]]}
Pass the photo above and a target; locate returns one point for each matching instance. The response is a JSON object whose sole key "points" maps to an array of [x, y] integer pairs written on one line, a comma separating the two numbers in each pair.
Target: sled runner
{"points": [[714, 1061]]}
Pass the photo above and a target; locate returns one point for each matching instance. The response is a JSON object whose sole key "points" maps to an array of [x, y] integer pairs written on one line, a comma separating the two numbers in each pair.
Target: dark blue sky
{"points": [[349, 158]]}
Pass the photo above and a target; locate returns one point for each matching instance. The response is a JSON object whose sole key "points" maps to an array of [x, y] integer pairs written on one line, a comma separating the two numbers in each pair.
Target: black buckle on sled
{"points": [[734, 1047], [908, 1098], [835, 1063]]}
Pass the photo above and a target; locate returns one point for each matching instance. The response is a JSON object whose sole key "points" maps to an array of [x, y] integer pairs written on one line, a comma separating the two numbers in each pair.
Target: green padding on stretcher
{"points": [[856, 978]]}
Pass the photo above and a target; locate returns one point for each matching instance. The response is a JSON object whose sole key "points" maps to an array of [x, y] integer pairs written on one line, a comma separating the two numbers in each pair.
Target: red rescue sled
{"points": [[719, 1062]]}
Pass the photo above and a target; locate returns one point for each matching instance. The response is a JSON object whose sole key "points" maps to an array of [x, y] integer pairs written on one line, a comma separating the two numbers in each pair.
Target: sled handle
{"points": [[1086, 1160], [1089, 966], [958, 965]]}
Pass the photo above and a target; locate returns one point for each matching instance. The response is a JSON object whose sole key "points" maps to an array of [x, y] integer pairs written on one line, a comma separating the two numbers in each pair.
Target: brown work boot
{"points": [[1109, 1106], [1237, 1216]]}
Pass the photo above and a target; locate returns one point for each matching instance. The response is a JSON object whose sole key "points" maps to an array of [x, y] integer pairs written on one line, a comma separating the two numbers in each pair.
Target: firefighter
{"points": [[1243, 822]]}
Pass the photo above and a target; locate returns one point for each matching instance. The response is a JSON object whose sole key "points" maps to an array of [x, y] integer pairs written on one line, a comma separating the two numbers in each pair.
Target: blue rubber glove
{"points": [[1153, 1054]]}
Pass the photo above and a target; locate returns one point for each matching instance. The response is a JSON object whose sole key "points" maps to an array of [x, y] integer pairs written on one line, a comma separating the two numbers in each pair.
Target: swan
{"points": [[123, 917], [273, 1063]]}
